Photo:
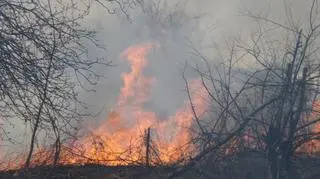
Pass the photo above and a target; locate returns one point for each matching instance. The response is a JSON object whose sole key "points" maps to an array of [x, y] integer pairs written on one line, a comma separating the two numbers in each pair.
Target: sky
{"points": [[201, 23]]}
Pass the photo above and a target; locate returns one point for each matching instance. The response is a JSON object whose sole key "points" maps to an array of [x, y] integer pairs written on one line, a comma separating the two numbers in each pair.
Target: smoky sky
{"points": [[178, 26]]}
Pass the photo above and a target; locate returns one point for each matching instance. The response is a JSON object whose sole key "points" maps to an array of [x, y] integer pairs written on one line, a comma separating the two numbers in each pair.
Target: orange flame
{"points": [[122, 133], [120, 139], [313, 146]]}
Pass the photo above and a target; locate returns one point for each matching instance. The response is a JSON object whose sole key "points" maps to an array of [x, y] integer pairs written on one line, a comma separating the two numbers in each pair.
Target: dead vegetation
{"points": [[246, 123], [244, 165]]}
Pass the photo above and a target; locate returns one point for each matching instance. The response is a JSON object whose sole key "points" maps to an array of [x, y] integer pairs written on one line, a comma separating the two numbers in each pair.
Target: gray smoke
{"points": [[176, 27]]}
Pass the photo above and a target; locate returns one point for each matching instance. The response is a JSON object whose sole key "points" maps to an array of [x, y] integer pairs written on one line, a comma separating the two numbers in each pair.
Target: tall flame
{"points": [[121, 136], [125, 126], [120, 139]]}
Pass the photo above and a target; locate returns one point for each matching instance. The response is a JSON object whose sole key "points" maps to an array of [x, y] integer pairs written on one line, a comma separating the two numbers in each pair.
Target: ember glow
{"points": [[313, 146]]}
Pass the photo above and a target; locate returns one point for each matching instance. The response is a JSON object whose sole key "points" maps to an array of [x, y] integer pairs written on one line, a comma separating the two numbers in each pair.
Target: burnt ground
{"points": [[87, 172], [240, 166]]}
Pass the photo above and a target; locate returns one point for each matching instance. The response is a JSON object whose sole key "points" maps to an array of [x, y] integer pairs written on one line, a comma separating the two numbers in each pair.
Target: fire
{"points": [[313, 146], [121, 135], [120, 139]]}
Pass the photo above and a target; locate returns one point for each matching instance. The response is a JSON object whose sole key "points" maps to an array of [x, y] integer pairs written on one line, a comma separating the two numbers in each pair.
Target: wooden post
{"points": [[148, 148]]}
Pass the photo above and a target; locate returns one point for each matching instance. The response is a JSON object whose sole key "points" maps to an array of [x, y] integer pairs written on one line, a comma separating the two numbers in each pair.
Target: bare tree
{"points": [[43, 65], [272, 99], [293, 75]]}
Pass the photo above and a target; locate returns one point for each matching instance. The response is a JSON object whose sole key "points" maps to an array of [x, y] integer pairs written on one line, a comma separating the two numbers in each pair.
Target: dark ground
{"points": [[240, 166]]}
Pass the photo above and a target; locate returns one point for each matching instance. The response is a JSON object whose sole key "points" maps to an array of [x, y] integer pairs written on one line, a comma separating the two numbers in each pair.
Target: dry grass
{"points": [[240, 166]]}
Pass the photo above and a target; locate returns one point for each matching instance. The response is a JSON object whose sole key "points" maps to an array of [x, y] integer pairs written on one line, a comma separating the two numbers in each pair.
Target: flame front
{"points": [[119, 140]]}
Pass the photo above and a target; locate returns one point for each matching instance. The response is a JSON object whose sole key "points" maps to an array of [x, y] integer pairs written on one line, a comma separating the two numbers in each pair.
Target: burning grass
{"points": [[240, 165], [122, 139]]}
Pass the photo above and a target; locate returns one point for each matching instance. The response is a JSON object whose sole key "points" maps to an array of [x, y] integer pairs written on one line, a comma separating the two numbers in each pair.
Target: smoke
{"points": [[176, 26]]}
